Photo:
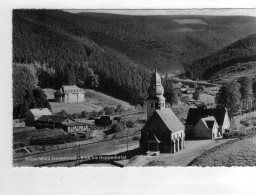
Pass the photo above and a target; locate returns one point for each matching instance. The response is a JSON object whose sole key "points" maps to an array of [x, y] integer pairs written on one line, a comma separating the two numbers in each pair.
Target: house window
{"points": [[155, 105], [152, 105]]}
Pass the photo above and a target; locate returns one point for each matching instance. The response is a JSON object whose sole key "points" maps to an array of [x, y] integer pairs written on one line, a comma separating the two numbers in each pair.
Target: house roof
{"points": [[40, 112], [209, 121], [195, 114], [52, 118], [170, 119], [65, 89], [176, 85], [75, 124], [49, 93]]}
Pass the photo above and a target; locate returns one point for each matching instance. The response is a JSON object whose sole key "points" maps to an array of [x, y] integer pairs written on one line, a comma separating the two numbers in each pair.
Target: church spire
{"points": [[155, 65], [155, 100]]}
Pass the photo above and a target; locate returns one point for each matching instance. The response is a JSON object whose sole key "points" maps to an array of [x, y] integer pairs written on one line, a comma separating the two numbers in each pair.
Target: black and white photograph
{"points": [[140, 88], [130, 88]]}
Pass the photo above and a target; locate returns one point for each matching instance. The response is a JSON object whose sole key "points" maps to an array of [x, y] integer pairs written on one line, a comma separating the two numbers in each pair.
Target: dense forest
{"points": [[241, 51], [113, 53]]}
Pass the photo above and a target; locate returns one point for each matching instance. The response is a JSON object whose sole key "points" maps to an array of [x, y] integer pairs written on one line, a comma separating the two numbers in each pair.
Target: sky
{"points": [[226, 11]]}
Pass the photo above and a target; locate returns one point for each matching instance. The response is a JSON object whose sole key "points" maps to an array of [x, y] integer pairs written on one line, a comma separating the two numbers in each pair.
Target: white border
{"points": [[106, 180]]}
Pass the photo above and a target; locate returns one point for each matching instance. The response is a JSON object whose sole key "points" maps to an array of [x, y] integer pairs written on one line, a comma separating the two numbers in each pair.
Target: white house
{"points": [[69, 94], [207, 128]]}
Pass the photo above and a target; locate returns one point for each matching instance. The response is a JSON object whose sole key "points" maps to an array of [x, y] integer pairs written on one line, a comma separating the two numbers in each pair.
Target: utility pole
{"points": [[126, 136], [78, 156]]}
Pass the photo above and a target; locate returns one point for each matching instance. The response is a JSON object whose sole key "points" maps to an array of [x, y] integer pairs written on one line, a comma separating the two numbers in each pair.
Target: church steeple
{"points": [[155, 98]]}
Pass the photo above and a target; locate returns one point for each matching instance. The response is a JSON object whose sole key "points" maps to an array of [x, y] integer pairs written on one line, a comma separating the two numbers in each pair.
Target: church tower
{"points": [[155, 100]]}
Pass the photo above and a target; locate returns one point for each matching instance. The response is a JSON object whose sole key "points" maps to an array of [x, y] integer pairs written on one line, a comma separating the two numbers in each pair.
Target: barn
{"points": [[33, 114]]}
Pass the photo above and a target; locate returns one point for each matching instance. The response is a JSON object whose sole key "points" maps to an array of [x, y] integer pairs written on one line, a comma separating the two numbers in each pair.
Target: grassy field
{"points": [[238, 152], [93, 101], [235, 71]]}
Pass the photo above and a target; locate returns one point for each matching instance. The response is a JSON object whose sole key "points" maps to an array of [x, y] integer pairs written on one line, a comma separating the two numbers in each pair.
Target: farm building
{"points": [[52, 122], [69, 94], [76, 127], [49, 94], [207, 128], [33, 114], [177, 86], [163, 131], [195, 114]]}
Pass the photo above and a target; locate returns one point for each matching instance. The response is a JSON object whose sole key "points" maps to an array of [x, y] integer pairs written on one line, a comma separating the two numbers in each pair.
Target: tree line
{"points": [[238, 96]]}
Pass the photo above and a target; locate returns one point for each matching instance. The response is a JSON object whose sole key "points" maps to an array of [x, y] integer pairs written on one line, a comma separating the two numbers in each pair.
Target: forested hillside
{"points": [[242, 51], [114, 53], [51, 42]]}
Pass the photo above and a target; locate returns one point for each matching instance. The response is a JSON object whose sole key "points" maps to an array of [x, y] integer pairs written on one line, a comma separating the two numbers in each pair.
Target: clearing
{"points": [[240, 152], [190, 21], [94, 100], [235, 71]]}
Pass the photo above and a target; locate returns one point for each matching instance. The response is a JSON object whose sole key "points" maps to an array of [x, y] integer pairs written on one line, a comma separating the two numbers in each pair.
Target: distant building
{"points": [[207, 128], [195, 114], [163, 131], [33, 114], [177, 86], [69, 94], [52, 122], [76, 127], [49, 94], [60, 122]]}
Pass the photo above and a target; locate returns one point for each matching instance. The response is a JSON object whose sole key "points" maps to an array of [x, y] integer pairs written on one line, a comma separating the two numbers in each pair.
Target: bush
{"points": [[117, 127], [119, 108], [109, 110], [130, 124]]}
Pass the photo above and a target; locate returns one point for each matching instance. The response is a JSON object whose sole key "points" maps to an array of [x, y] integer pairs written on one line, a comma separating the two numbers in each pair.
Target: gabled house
{"points": [[207, 128], [49, 94], [195, 114], [69, 94], [33, 114]]}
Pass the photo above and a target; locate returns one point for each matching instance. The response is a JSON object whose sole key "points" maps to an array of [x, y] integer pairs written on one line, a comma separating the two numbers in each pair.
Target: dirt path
{"points": [[182, 158]]}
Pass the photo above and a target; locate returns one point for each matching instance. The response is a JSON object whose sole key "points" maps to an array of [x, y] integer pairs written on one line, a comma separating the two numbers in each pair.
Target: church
{"points": [[163, 131]]}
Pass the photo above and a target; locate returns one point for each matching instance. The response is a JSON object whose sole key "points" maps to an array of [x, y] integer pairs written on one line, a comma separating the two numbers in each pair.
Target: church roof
{"points": [[170, 119]]}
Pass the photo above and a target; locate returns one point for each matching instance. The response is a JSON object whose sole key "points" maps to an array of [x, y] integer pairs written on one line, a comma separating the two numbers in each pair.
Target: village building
{"points": [[177, 86], [163, 131], [49, 94], [52, 122], [76, 128], [207, 128], [60, 122], [69, 94], [195, 114], [33, 114]]}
